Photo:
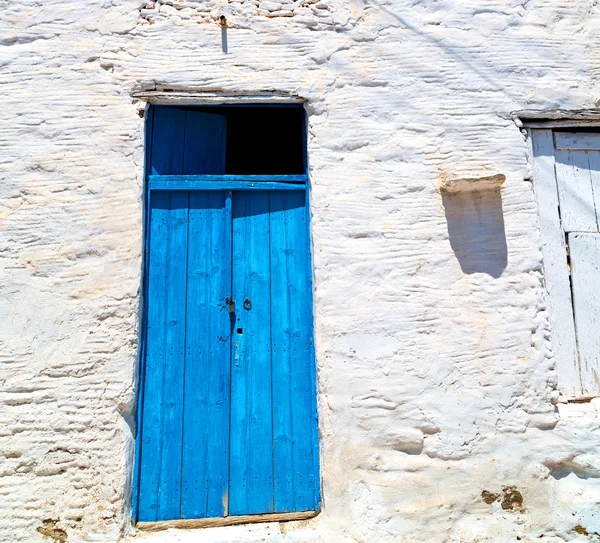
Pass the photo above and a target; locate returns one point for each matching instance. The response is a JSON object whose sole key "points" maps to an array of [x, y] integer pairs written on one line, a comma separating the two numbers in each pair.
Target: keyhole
{"points": [[239, 331]]}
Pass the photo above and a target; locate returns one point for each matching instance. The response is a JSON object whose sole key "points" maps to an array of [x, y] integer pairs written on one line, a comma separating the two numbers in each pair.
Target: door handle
{"points": [[230, 305]]}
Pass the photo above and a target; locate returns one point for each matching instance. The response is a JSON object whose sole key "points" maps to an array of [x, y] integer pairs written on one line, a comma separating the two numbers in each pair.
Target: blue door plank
{"points": [[220, 374], [291, 317], [204, 143], [282, 291], [162, 410], [151, 416], [160, 455], [167, 141], [251, 456], [206, 397], [207, 367], [301, 178], [173, 378], [174, 182]]}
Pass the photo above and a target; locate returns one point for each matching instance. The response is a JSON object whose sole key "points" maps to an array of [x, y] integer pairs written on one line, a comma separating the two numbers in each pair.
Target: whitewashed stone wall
{"points": [[436, 376]]}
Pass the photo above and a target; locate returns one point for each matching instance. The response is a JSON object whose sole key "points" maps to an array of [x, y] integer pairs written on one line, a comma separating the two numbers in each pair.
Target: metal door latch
{"points": [[230, 305]]}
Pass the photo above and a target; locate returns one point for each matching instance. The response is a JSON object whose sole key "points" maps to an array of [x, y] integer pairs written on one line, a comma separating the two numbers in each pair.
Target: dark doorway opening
{"points": [[259, 139]]}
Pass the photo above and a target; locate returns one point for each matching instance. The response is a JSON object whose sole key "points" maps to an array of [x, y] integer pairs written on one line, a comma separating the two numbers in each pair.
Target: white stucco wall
{"points": [[436, 377]]}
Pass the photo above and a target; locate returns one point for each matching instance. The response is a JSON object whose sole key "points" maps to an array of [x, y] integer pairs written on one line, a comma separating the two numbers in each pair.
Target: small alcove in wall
{"points": [[475, 219]]}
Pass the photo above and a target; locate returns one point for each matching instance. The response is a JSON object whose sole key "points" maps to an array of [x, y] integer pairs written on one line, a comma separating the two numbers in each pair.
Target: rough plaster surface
{"points": [[436, 376]]}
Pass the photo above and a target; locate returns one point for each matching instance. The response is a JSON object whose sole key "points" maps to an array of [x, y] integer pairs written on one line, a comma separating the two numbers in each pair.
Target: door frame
{"points": [[212, 182]]}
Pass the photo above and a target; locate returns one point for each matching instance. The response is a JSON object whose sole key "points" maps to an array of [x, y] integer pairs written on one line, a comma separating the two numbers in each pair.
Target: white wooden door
{"points": [[567, 180]]}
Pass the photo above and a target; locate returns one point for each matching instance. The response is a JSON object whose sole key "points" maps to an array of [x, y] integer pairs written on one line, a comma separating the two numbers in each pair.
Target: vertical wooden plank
{"points": [[285, 333], [167, 141], [594, 172], [220, 384], [173, 383], [206, 394], [205, 470], [160, 454], [161, 429], [576, 195], [294, 416], [151, 416], [251, 453], [204, 143], [556, 272], [585, 273]]}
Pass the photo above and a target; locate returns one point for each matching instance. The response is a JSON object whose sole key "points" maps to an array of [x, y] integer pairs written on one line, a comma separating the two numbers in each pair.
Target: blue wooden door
{"points": [[226, 412], [272, 466]]}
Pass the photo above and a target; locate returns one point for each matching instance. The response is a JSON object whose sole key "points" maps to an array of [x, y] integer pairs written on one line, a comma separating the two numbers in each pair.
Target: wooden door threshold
{"points": [[188, 524]]}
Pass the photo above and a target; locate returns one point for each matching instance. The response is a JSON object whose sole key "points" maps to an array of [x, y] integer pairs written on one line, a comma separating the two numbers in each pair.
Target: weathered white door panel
{"points": [[585, 141], [556, 270], [585, 279], [594, 173], [576, 191], [567, 186]]}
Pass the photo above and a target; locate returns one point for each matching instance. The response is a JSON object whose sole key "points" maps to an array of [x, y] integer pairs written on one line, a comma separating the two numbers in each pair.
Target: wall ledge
{"points": [[472, 183]]}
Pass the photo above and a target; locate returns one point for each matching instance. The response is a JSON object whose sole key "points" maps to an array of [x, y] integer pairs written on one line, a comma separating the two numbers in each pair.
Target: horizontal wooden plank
{"points": [[302, 178], [168, 95], [592, 123], [552, 115], [223, 521], [227, 182], [223, 185], [584, 141]]}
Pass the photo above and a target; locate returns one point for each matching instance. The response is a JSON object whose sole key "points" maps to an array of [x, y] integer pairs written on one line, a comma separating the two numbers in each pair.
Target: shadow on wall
{"points": [[476, 230]]}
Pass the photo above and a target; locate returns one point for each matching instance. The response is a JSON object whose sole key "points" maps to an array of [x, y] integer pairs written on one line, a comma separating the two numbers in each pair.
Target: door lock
{"points": [[230, 305]]}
